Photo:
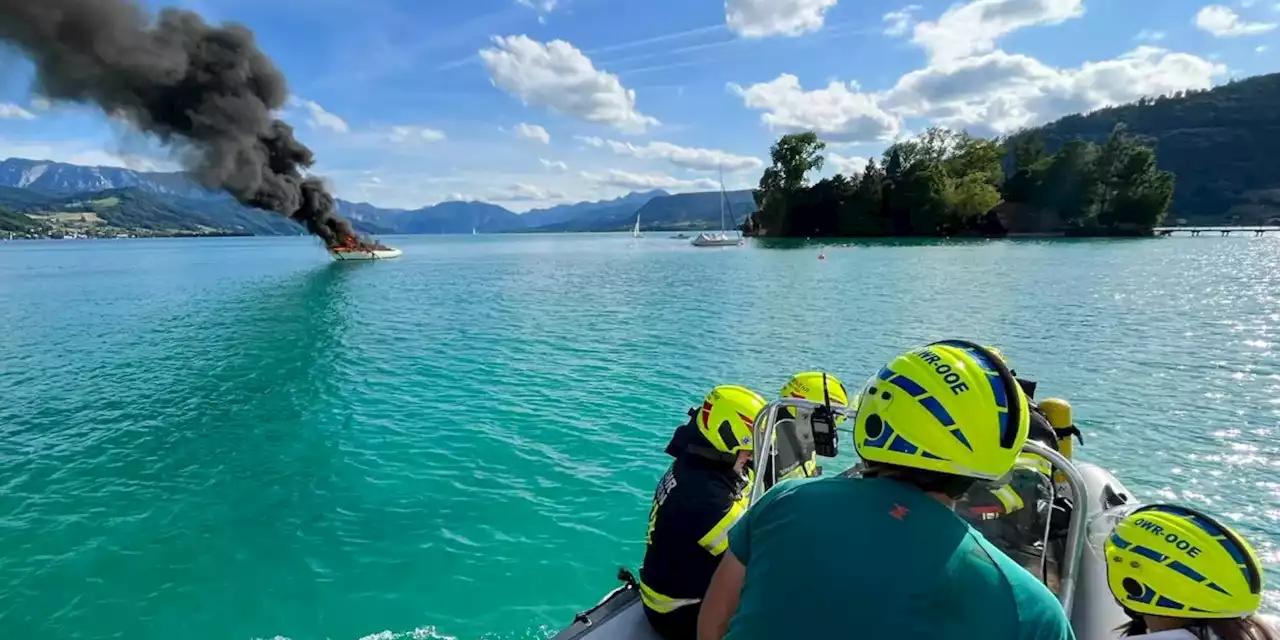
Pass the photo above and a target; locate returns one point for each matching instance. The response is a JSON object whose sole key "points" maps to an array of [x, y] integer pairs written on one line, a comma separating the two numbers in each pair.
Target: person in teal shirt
{"points": [[884, 556]]}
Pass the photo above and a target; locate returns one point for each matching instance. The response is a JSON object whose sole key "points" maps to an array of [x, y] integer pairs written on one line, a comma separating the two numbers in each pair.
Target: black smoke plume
{"points": [[208, 90]]}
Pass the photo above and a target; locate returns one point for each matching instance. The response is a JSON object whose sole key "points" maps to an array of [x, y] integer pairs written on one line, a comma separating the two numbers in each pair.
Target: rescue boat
{"points": [[1075, 571]]}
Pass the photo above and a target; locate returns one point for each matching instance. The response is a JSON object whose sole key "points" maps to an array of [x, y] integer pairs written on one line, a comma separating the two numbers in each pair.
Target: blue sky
{"points": [[530, 103]]}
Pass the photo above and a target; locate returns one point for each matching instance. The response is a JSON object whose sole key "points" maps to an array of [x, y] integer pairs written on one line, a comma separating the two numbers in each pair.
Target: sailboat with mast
{"points": [[721, 238], [635, 231]]}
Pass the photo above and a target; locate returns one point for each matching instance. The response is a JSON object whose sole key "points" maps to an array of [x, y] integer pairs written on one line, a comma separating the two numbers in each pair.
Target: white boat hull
{"points": [[704, 240], [373, 254]]}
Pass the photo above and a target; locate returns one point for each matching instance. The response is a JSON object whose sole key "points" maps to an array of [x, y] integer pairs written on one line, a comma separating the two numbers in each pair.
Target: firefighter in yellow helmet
{"points": [[701, 495], [879, 556], [1179, 573], [794, 452]]}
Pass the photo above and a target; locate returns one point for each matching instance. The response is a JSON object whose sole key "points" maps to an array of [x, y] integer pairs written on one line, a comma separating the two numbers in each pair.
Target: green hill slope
{"points": [[1220, 143]]}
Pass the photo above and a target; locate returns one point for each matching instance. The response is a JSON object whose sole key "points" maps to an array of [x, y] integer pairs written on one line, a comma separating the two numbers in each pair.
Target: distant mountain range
{"points": [[172, 201]]}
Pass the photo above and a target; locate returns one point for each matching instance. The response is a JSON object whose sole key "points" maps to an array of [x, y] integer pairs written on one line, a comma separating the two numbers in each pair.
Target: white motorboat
{"points": [[365, 253], [1065, 561]]}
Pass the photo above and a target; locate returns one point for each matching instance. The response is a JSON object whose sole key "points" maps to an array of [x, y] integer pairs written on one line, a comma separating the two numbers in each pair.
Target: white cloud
{"points": [[1148, 35], [320, 119], [899, 22], [415, 134], [522, 192], [533, 132], [1260, 49], [590, 141], [687, 157], [999, 92], [839, 113], [628, 180], [763, 18], [9, 111], [1222, 22], [974, 28], [554, 165], [543, 6], [557, 76], [849, 166]]}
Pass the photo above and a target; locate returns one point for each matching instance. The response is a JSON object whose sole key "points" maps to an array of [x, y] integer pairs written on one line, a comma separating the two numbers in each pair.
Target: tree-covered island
{"points": [[947, 183]]}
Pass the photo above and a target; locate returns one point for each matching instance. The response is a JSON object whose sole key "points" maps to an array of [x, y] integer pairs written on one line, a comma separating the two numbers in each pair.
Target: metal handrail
{"points": [[1077, 529]]}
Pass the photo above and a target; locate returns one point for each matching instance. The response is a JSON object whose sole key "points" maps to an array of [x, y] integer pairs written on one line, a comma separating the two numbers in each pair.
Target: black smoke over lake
{"points": [[207, 90]]}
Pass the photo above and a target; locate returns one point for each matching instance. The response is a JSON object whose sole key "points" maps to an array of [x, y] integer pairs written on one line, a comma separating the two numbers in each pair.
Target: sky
{"points": [[533, 103]]}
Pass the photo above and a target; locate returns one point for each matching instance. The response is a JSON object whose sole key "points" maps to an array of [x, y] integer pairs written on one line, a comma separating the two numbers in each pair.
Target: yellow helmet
{"points": [[1168, 560], [951, 407], [816, 386], [728, 416]]}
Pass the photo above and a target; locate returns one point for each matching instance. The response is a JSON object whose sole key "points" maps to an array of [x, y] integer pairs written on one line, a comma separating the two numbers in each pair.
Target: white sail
{"points": [[635, 231]]}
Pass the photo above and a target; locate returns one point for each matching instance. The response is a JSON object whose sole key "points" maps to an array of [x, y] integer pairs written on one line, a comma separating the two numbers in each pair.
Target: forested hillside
{"points": [[1220, 144]]}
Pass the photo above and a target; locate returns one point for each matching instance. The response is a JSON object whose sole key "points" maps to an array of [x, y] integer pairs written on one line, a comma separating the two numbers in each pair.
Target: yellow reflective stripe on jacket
{"points": [[663, 604], [1008, 498], [717, 539], [1035, 463]]}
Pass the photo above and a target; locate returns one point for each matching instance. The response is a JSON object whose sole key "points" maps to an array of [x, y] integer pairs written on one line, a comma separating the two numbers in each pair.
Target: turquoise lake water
{"points": [[236, 438]]}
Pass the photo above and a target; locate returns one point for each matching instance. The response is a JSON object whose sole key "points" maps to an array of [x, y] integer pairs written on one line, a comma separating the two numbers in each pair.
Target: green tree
{"points": [[922, 194], [1067, 185], [864, 215], [1028, 155], [970, 197], [969, 155], [1139, 194], [794, 156]]}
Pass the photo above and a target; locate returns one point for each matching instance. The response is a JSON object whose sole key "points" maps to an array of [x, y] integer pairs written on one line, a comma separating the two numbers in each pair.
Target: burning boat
{"points": [[362, 249]]}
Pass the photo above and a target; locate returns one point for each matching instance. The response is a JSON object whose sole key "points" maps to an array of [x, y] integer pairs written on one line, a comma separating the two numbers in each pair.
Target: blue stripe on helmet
{"points": [[1147, 552], [885, 373], [1004, 425], [960, 436], [1215, 587], [931, 403], [997, 387], [1168, 603], [908, 385], [1186, 571], [981, 358], [1119, 542], [901, 445]]}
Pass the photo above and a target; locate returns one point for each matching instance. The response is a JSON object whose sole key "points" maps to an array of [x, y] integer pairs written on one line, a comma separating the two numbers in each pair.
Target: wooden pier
{"points": [[1257, 231]]}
